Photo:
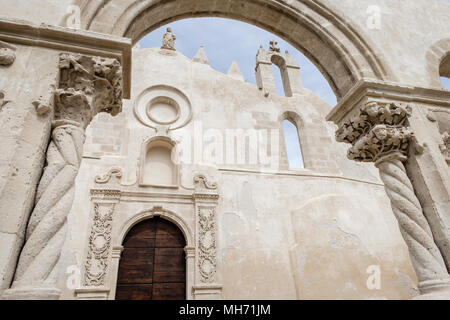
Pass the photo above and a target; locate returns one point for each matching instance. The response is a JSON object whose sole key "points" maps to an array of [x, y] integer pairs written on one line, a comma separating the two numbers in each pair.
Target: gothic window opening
{"points": [[293, 145], [444, 72], [282, 85]]}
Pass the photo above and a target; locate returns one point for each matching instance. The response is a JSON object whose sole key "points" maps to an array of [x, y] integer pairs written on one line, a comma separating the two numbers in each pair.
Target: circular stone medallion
{"points": [[163, 110]]}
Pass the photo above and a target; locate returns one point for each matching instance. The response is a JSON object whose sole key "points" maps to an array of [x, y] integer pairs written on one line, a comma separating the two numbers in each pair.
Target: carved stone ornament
{"points": [[201, 181], [380, 141], [7, 54], [3, 101], [99, 245], [207, 244], [273, 46], [87, 85], [105, 178], [168, 41], [445, 147], [372, 114], [379, 134]]}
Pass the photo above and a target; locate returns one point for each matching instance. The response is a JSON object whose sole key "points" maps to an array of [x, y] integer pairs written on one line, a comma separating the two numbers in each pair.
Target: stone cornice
{"points": [[386, 91], [70, 40]]}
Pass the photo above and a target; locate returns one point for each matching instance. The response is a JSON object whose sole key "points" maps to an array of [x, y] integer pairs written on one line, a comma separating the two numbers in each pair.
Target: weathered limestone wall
{"points": [[282, 234]]}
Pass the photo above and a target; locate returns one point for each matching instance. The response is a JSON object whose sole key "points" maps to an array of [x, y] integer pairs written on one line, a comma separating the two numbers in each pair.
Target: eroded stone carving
{"points": [[382, 140], [373, 113], [445, 147], [42, 108], [87, 85], [3, 101], [105, 178], [379, 133], [99, 245], [7, 54], [273, 46], [168, 41], [207, 244]]}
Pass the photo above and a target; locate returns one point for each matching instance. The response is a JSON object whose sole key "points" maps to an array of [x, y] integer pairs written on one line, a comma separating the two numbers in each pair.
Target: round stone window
{"points": [[163, 110]]}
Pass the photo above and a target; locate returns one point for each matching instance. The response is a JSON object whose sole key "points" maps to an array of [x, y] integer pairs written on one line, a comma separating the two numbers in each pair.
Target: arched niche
{"points": [[158, 163], [329, 41]]}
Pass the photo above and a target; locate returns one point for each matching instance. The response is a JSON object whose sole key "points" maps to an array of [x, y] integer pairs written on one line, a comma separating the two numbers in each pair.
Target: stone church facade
{"points": [[131, 173]]}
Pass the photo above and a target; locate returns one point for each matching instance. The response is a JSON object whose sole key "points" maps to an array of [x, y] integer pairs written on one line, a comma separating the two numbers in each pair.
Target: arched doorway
{"points": [[152, 266]]}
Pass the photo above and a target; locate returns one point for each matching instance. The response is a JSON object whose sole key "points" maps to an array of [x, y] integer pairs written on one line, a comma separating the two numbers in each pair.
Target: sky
{"points": [[227, 40]]}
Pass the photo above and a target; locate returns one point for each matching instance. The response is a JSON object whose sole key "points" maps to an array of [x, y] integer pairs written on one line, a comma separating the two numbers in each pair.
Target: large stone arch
{"points": [[438, 61], [327, 39]]}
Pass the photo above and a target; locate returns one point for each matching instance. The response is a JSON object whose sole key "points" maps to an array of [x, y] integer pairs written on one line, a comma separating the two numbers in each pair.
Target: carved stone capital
{"points": [[370, 115], [378, 130], [88, 85], [379, 142]]}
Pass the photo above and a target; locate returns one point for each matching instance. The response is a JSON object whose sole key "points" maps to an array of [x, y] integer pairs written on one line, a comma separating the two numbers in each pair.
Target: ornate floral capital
{"points": [[87, 86], [381, 141], [378, 130]]}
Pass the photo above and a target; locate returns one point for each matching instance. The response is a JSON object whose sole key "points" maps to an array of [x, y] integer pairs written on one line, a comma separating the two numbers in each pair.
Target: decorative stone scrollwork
{"points": [[202, 182], [7, 54], [445, 147], [207, 244], [379, 134], [87, 85], [105, 178], [99, 245]]}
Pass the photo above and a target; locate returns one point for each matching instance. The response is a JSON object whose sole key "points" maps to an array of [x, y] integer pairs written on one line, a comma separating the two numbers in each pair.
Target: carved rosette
{"points": [[99, 245], [87, 85], [379, 134], [207, 244]]}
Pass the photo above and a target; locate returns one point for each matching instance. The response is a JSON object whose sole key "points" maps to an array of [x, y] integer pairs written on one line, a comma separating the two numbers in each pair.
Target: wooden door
{"points": [[152, 265]]}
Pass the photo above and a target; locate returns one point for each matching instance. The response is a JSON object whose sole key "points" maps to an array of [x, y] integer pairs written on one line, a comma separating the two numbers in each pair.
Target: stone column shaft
{"points": [[87, 86], [379, 133]]}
